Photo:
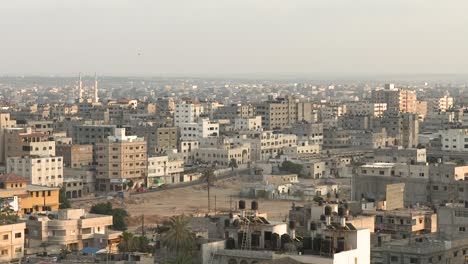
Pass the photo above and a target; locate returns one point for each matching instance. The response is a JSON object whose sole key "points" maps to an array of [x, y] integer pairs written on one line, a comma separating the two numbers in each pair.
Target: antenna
{"points": [[96, 98], [80, 87]]}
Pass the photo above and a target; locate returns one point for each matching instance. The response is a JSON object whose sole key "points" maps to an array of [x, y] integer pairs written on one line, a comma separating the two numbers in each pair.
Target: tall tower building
{"points": [[80, 88], [96, 98]]}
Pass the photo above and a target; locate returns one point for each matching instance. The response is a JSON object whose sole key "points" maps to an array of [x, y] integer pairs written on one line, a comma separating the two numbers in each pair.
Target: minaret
{"points": [[80, 87], [96, 98]]}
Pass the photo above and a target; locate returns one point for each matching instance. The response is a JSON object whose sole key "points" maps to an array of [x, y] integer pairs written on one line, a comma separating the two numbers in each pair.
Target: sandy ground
{"points": [[193, 200]]}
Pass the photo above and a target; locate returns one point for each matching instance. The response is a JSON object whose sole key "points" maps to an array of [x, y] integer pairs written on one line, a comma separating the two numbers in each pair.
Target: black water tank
{"points": [[341, 211], [313, 226], [241, 205], [230, 243], [292, 224], [254, 205], [317, 244], [320, 203], [231, 215], [328, 210], [227, 222], [307, 243], [322, 218]]}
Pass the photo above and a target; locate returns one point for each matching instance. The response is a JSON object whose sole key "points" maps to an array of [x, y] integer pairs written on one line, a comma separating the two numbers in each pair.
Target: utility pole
{"points": [[215, 205], [142, 225]]}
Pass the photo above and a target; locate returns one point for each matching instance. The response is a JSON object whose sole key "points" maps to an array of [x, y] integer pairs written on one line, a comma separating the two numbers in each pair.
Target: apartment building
{"points": [[187, 111], [72, 229], [233, 111], [283, 112], [400, 155], [165, 170], [25, 198], [222, 156], [22, 142], [12, 242], [188, 149], [249, 123], [75, 156], [204, 128], [120, 158], [40, 170], [307, 133], [92, 134], [454, 139], [5, 122], [365, 108], [268, 144], [404, 127], [397, 100]]}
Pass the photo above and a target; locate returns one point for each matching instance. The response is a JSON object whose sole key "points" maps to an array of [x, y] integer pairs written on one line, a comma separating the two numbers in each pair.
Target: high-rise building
{"points": [[397, 99], [187, 111], [120, 159]]}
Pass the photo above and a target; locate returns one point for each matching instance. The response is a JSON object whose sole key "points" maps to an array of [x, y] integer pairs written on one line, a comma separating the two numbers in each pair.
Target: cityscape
{"points": [[237, 163]]}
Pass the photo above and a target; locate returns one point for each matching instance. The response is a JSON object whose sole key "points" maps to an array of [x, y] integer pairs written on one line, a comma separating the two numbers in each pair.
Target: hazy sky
{"points": [[225, 37]]}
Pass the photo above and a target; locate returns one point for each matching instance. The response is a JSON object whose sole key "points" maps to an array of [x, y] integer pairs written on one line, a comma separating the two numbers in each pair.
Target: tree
{"points": [[178, 238], [209, 177], [127, 242], [233, 164], [118, 214], [180, 259], [63, 200], [291, 167]]}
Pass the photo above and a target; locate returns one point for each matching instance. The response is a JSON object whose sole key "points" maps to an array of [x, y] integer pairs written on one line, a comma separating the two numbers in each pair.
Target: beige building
{"points": [[22, 142], [165, 170], [283, 112], [40, 170], [5, 122], [75, 156], [120, 158], [397, 100], [12, 242], [268, 144], [234, 111], [365, 108], [72, 229], [222, 155]]}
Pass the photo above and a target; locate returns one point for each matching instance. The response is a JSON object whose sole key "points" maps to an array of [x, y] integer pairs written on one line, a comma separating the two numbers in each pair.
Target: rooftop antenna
{"points": [[80, 87]]}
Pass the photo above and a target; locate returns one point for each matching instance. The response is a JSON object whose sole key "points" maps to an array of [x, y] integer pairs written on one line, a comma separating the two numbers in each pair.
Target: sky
{"points": [[233, 37]]}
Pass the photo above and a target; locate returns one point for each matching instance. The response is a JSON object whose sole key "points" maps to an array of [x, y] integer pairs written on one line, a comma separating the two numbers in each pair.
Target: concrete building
{"points": [[403, 127], [92, 134], [365, 108], [5, 122], [283, 112], [268, 144], [187, 111], [249, 123], [72, 229], [40, 170], [75, 156], [120, 158], [307, 133], [234, 111], [455, 139], [222, 155], [397, 100], [400, 155], [29, 198], [12, 242], [22, 142], [165, 170]]}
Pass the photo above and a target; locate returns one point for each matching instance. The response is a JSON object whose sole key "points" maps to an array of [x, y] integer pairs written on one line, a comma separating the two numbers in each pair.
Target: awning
{"points": [[93, 250]]}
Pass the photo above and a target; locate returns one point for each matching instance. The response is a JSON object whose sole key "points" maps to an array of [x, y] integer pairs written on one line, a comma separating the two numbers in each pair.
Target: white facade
{"points": [[445, 103], [203, 129], [164, 170], [270, 145], [187, 112], [245, 124], [41, 170], [454, 139]]}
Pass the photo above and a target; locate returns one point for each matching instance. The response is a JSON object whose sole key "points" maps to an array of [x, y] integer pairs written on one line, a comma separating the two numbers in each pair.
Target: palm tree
{"points": [[233, 163], [178, 238], [208, 177]]}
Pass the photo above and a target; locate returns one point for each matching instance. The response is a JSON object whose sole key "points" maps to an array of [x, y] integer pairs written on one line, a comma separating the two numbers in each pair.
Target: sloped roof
{"points": [[11, 177]]}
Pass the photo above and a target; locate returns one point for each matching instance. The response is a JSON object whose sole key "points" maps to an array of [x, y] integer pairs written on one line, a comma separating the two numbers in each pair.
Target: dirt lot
{"points": [[157, 206]]}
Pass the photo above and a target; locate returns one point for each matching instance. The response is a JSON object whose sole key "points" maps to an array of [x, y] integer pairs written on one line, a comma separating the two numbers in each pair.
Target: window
{"points": [[393, 258], [5, 237], [18, 235]]}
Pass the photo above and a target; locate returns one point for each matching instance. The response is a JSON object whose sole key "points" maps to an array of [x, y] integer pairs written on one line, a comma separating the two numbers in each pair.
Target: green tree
{"points": [[63, 200], [127, 242], [178, 238], [233, 164], [118, 214], [180, 259], [291, 167]]}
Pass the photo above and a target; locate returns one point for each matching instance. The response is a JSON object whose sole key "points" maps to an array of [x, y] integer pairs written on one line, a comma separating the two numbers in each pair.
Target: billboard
{"points": [[9, 204]]}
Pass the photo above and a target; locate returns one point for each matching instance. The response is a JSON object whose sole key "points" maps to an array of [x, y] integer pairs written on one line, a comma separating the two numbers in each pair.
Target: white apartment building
{"points": [[202, 129], [445, 103], [267, 144], [365, 108], [245, 124], [222, 156], [164, 170], [187, 112], [41, 170], [455, 139], [12, 242]]}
